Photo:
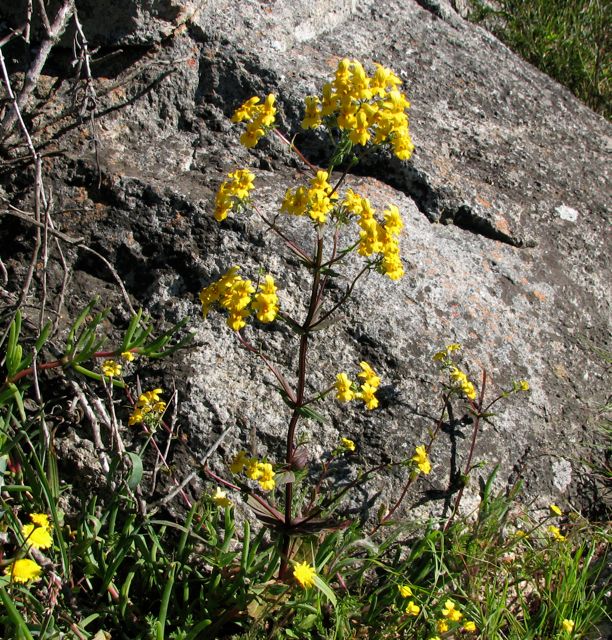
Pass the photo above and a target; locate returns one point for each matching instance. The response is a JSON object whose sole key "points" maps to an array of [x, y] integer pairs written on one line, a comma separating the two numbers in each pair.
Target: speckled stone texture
{"points": [[506, 241]]}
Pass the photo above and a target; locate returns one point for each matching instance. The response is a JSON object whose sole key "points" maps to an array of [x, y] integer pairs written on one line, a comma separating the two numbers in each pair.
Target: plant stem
{"points": [[316, 293]]}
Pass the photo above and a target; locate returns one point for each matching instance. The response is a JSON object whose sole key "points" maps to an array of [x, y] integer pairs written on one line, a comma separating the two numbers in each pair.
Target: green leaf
{"points": [[308, 412], [20, 624], [325, 589], [136, 471]]}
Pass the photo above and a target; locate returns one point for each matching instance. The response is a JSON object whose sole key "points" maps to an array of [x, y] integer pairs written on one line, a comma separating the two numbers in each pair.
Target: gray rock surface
{"points": [[506, 240]]}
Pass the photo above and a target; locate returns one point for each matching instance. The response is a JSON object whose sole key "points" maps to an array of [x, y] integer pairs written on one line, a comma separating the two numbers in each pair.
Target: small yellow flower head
{"points": [[367, 395], [441, 626], [412, 609], [519, 533], [233, 193], [128, 356], [220, 498], [405, 590], [239, 462], [469, 626], [368, 376], [554, 510], [247, 110], [259, 118], [344, 391], [521, 385], [149, 408], [38, 534], [304, 574], [266, 476], [568, 625], [40, 520], [451, 612], [312, 117], [111, 368], [24, 570], [556, 533], [347, 445], [421, 459], [265, 302]]}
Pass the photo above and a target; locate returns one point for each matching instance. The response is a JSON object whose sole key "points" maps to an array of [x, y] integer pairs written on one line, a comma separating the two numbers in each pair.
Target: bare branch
{"points": [[54, 32]]}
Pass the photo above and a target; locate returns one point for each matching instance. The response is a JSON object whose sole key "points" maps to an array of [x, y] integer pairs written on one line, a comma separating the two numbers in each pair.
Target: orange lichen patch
{"points": [[483, 203], [539, 295], [501, 224]]}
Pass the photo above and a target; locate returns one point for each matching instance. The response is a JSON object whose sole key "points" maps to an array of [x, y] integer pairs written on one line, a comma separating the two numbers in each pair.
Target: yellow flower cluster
{"points": [[233, 193], [459, 380], [111, 368], [367, 108], [149, 408], [37, 534], [421, 459], [377, 237], [317, 201], [240, 298], [253, 469], [412, 608], [347, 390], [452, 614], [259, 118]]}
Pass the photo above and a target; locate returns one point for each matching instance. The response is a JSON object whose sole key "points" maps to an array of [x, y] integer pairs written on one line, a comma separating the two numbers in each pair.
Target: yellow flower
{"points": [[40, 520], [304, 574], [568, 625], [38, 534], [246, 110], [266, 476], [451, 612], [556, 533], [149, 408], [128, 356], [265, 303], [469, 627], [111, 368], [522, 385], [412, 609], [259, 117], [233, 192], [368, 375], [405, 590], [554, 510], [312, 117], [23, 570], [367, 395], [239, 462], [220, 498], [421, 459], [347, 444], [441, 626], [344, 391]]}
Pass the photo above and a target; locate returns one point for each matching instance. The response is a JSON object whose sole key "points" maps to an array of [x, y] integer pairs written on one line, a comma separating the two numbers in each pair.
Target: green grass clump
{"points": [[567, 39]]}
